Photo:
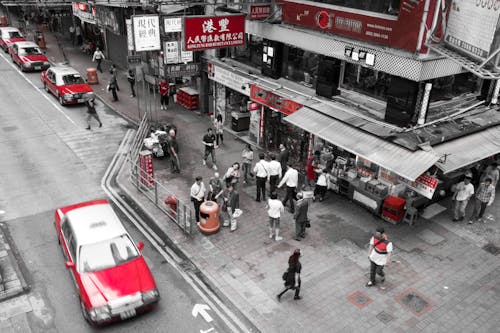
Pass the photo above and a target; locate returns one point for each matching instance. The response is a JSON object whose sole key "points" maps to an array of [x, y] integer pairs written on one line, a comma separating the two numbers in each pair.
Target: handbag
{"points": [[285, 275]]}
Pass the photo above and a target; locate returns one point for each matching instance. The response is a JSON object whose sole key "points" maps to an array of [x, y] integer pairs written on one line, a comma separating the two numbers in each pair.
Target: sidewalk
{"points": [[443, 278]]}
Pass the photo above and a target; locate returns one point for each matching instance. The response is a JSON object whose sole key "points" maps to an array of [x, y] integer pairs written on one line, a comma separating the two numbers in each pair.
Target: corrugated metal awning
{"points": [[406, 163], [470, 149]]}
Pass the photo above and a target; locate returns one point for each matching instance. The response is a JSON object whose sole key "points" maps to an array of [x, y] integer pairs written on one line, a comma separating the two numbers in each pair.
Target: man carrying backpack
{"points": [[379, 253]]}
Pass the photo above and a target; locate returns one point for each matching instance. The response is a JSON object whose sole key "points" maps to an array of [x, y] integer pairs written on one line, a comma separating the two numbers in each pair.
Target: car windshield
{"points": [[72, 79], [15, 34], [106, 254], [29, 51]]}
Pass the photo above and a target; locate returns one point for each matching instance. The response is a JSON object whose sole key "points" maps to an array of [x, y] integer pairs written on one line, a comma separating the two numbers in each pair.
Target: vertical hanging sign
{"points": [[130, 35], [146, 32]]}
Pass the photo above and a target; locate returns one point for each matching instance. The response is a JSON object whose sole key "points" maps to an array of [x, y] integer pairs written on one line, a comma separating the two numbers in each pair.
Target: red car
{"points": [[111, 276], [9, 35], [67, 85], [28, 56]]}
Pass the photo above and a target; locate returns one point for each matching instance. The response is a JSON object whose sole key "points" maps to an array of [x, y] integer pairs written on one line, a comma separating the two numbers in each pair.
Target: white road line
{"points": [[191, 279], [51, 100]]}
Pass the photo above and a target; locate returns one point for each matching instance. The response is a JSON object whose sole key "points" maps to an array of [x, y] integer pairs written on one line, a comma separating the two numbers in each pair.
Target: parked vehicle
{"points": [[110, 274], [9, 35], [28, 56], [67, 85]]}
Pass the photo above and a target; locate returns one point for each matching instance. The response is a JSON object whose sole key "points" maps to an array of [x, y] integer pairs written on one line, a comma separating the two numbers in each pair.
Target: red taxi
{"points": [[67, 85], [28, 56], [9, 35], [110, 273]]}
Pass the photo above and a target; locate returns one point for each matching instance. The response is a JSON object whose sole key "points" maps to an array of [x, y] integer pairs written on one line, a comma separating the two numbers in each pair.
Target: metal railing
{"points": [[175, 210]]}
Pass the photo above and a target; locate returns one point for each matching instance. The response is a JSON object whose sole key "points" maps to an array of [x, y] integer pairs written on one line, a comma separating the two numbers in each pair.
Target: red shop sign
{"points": [[260, 11], [212, 32], [273, 101]]}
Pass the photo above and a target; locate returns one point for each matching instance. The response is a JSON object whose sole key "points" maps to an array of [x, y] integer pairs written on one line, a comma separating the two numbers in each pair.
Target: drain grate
{"points": [[359, 299], [494, 250], [384, 317], [414, 301]]}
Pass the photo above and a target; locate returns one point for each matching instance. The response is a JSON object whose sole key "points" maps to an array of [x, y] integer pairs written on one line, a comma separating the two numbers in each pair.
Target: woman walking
{"points": [[232, 175], [292, 276], [219, 130]]}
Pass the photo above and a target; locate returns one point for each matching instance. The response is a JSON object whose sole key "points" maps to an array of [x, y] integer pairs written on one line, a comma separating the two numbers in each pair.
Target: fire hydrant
{"points": [[171, 202]]}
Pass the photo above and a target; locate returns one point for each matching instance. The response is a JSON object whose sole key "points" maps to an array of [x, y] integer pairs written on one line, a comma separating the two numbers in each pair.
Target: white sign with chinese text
{"points": [[173, 24], [232, 80], [146, 32], [171, 52], [186, 56]]}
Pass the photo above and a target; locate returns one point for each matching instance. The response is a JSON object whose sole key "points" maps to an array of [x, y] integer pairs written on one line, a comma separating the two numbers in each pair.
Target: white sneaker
{"points": [[214, 167], [271, 235], [204, 162], [278, 238]]}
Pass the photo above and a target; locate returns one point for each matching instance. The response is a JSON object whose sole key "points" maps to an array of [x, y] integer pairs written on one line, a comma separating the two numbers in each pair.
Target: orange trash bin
{"points": [[92, 76], [171, 202], [209, 217]]}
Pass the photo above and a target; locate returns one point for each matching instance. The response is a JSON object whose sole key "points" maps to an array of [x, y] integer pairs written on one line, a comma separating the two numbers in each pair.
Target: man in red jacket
{"points": [[164, 93]]}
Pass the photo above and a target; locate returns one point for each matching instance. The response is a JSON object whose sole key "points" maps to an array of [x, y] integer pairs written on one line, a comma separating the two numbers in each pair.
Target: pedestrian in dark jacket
{"points": [[300, 216], [112, 87], [114, 72], [232, 204], [292, 280], [283, 157], [131, 80], [92, 113]]}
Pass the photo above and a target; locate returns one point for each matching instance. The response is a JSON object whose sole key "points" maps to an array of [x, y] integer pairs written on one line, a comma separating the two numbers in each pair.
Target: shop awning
{"points": [[406, 163], [467, 150]]}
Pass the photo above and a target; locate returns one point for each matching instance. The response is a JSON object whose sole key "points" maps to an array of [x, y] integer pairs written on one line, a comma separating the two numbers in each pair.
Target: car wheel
{"points": [[61, 101], [45, 87]]}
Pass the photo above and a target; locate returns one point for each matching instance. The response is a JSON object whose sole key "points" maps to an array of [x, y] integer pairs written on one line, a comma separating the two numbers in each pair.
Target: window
{"points": [[301, 66], [251, 52], [14, 34], [68, 237], [72, 79], [390, 7], [30, 51], [448, 87], [366, 80]]}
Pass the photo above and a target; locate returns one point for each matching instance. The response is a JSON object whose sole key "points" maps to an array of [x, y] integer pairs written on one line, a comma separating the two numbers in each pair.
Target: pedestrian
{"points": [[292, 276], [379, 253], [232, 205], [112, 87], [164, 88], [246, 166], [114, 73], [92, 113], [232, 175], [173, 147], [283, 157], [275, 172], [463, 192], [131, 80], [485, 195], [261, 174], [98, 57], [219, 129], [291, 179], [198, 192], [72, 34], [312, 167], [300, 217], [274, 209], [215, 187], [491, 172], [321, 185], [78, 34], [209, 142]]}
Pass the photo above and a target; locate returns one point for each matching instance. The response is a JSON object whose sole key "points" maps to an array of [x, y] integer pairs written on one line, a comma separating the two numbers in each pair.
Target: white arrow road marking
{"points": [[2, 212], [207, 331], [202, 310]]}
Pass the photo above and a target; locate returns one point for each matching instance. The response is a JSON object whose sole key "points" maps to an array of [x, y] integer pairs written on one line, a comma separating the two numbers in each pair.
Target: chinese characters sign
{"points": [[146, 166], [173, 24], [229, 79], [424, 185], [85, 12], [259, 11], [273, 101], [211, 32], [146, 32], [174, 56], [180, 70]]}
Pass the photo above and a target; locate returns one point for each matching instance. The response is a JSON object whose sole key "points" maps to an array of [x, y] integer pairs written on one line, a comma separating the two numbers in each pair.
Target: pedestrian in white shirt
{"points": [[291, 179], [321, 185], [274, 209], [274, 169], [198, 192], [463, 192], [247, 156], [261, 175]]}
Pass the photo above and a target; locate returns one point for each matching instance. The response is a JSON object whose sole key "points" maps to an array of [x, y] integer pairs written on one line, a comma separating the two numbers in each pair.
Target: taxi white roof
{"points": [[8, 29], [92, 224], [26, 44], [63, 70]]}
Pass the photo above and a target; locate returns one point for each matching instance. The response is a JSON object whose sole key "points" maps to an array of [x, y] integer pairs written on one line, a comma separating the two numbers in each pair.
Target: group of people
{"points": [[484, 194]]}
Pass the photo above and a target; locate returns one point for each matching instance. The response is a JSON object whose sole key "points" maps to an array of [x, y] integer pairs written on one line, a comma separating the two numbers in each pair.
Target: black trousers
{"points": [[290, 195], [219, 137], [376, 269], [115, 96], [320, 190], [164, 100], [261, 188], [297, 290], [197, 205], [132, 88], [273, 181], [99, 65]]}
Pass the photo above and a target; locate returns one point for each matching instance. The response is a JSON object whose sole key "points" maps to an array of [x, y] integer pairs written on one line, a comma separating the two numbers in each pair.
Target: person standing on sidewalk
{"points": [[78, 34], [164, 88], [173, 146], [300, 216], [485, 195], [292, 276], [321, 185], [283, 157], [98, 57], [219, 130], [198, 192], [232, 175], [114, 72], [463, 192], [274, 209], [291, 179], [232, 204], [215, 187], [131, 80], [209, 142], [312, 167], [246, 166], [72, 34], [112, 87], [379, 253], [92, 113], [261, 174], [275, 173]]}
